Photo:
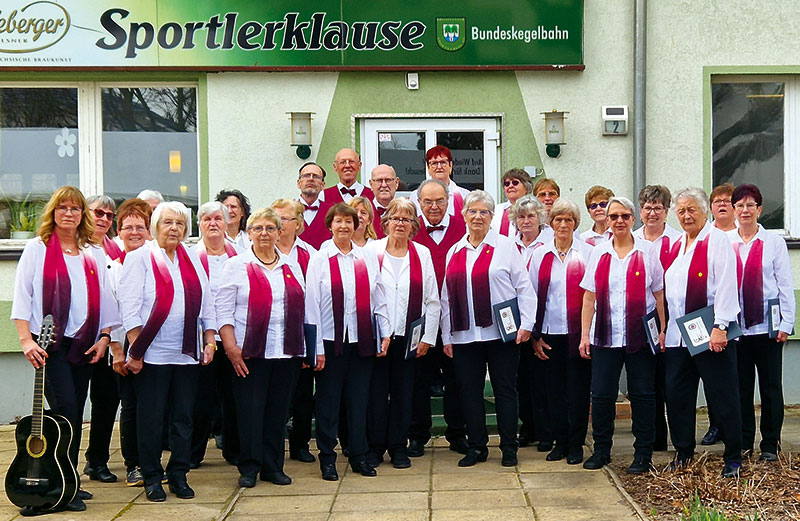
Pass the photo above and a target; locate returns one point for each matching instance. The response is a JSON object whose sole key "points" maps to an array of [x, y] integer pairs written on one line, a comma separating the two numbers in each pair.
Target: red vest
{"points": [[333, 195], [316, 233], [455, 231]]}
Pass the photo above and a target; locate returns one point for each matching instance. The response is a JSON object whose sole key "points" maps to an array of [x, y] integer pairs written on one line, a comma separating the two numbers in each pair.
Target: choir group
{"points": [[348, 304]]}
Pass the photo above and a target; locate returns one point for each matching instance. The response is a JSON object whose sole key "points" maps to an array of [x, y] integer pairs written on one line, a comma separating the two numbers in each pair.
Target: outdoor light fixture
{"points": [[554, 132], [301, 133]]}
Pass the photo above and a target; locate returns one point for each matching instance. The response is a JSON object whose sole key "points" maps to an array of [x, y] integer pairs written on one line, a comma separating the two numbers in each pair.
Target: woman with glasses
{"points": [[703, 273], [483, 269], [411, 293], [765, 279], [165, 305], [556, 271], [364, 233], [63, 273], [721, 207], [623, 282], [439, 164], [596, 202], [516, 183], [260, 307]]}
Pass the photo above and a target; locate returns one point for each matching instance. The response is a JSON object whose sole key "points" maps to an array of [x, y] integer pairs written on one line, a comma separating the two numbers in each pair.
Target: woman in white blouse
{"points": [[516, 184], [624, 282], [764, 275], [556, 270], [165, 302], [483, 269], [346, 300], [260, 310], [702, 272], [365, 231], [62, 273], [214, 396], [411, 293]]}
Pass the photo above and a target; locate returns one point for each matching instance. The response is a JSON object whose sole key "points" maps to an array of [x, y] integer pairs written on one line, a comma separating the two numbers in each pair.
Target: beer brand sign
{"points": [[286, 35]]}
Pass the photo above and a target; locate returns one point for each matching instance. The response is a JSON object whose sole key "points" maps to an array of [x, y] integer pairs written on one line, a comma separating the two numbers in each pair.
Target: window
{"points": [[132, 137]]}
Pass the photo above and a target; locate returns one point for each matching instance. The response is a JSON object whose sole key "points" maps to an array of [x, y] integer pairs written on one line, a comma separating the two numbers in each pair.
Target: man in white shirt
{"points": [[347, 165], [310, 182], [384, 183], [439, 161]]}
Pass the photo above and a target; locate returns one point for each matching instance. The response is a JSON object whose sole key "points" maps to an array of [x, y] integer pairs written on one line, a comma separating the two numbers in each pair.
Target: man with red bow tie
{"points": [[311, 181], [347, 165], [384, 183]]}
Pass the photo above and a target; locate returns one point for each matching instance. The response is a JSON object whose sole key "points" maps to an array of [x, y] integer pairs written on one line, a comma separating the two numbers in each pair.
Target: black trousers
{"points": [[761, 353], [391, 391], [206, 406], [128, 439], [537, 382], [525, 391], [347, 378], [104, 396], [661, 405], [470, 362], [65, 388], [229, 424], [721, 383], [640, 368], [567, 386], [302, 410], [161, 389], [262, 406], [427, 369]]}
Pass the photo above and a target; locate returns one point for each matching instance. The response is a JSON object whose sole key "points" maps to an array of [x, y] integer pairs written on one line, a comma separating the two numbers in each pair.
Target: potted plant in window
{"points": [[23, 216]]}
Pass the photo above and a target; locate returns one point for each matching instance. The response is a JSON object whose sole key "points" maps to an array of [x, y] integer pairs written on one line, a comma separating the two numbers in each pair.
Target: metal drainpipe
{"points": [[639, 96]]}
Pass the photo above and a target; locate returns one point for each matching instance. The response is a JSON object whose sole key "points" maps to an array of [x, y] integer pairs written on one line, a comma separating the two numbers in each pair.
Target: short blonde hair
{"points": [[298, 208], [396, 206], [561, 207], [262, 214]]}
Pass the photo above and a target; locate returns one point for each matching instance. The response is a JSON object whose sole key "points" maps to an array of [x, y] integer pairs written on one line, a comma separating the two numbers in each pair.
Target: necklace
{"points": [[270, 263], [68, 251]]}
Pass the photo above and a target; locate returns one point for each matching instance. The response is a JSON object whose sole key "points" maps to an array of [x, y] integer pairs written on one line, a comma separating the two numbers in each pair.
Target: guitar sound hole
{"points": [[36, 445]]}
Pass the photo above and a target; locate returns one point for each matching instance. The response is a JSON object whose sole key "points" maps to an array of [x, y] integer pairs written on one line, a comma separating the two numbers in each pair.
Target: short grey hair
{"points": [[103, 201], [528, 204], [145, 195], [561, 207], [176, 207], [624, 201], [692, 192], [478, 196], [431, 180], [655, 194], [213, 207]]}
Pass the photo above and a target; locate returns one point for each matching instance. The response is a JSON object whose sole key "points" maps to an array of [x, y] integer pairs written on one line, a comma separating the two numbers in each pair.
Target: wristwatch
{"points": [[721, 327]]}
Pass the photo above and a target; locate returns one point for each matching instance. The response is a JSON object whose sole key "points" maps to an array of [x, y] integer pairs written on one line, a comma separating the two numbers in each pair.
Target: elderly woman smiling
{"points": [[164, 300], [702, 273]]}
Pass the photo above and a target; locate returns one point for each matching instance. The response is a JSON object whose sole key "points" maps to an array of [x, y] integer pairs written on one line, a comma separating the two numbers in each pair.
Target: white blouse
{"points": [[777, 278], [137, 293], [721, 289], [397, 281], [233, 296], [618, 282], [27, 304], [507, 279]]}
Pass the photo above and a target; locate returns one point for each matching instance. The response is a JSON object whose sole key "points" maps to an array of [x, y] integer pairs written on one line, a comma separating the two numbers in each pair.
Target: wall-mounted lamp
{"points": [[301, 133], [554, 132]]}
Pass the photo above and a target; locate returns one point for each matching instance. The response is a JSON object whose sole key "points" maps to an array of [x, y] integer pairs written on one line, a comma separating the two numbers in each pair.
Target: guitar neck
{"points": [[37, 414]]}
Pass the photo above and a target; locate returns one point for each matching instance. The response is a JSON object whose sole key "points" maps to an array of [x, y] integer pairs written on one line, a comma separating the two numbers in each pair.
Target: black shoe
{"points": [[100, 473], [32, 511], [84, 494], [731, 470], [363, 468], [401, 461], [437, 391], [544, 446], [597, 461], [329, 472], [302, 455], [473, 457], [768, 456], [134, 478], [155, 492], [575, 456], [247, 480], [218, 441], [509, 458], [640, 466], [181, 489], [459, 445], [374, 460], [76, 505], [194, 465], [711, 437], [278, 478], [556, 454], [416, 448]]}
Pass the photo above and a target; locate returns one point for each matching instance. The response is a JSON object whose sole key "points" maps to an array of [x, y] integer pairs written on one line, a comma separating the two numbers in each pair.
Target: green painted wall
{"points": [[439, 92]]}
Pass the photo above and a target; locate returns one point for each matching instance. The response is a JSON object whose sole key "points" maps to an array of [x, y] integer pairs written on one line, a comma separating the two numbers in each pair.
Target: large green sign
{"points": [[284, 34]]}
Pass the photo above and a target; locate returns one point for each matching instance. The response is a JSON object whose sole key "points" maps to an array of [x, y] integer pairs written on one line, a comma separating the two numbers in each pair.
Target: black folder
{"points": [[652, 327], [506, 317], [414, 334], [695, 328], [310, 334]]}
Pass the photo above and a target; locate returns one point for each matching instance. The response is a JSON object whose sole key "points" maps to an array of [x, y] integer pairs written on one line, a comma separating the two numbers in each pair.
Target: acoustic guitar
{"points": [[42, 476]]}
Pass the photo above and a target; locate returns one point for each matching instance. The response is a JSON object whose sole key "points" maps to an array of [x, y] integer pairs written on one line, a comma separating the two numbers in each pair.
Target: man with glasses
{"points": [[310, 182], [596, 200], [438, 231], [347, 165], [439, 162], [384, 183]]}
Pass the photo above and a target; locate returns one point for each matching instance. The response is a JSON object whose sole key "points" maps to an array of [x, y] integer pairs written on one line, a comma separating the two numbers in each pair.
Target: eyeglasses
{"points": [[262, 229], [315, 177], [68, 209], [511, 182], [547, 194], [483, 213], [131, 229], [438, 163], [652, 209], [601, 204], [169, 223], [386, 182], [401, 220], [433, 202], [624, 216], [751, 207], [721, 202], [100, 214]]}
